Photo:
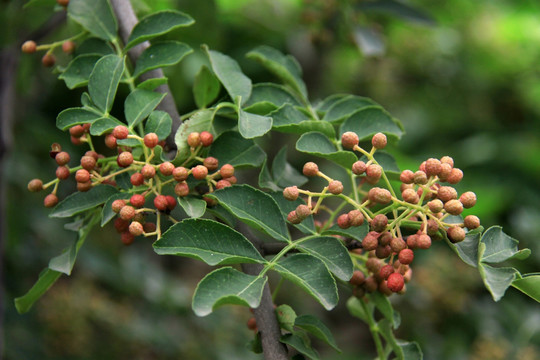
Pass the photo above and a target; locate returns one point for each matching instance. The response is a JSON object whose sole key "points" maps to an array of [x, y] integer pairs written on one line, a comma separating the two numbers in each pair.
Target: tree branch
{"points": [[126, 21]]}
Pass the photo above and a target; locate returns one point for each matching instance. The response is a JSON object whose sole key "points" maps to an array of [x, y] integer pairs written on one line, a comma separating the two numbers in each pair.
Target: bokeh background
{"points": [[461, 75]]}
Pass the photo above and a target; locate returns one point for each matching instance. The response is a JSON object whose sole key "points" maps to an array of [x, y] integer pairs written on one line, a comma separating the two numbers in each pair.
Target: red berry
{"points": [[406, 177], [231, 179], [349, 139], [446, 193], [180, 173], [124, 159], [68, 46], [227, 171], [433, 167], [84, 186], [471, 222], [397, 244], [148, 171], [62, 158], [76, 131], [379, 195], [181, 189], [121, 225], [359, 167], [412, 241], [127, 212], [310, 169], [127, 238], [171, 202], [88, 162], [379, 141], [110, 141], [199, 172], [62, 172], [357, 278], [149, 227], [455, 176], [117, 205], [395, 282], [385, 271], [194, 139], [468, 199], [137, 200], [137, 179], [423, 241], [370, 242], [335, 187], [63, 3], [343, 221], [211, 163], [166, 168], [50, 201], [379, 222], [29, 47], [222, 184], [293, 218], [82, 176], [48, 60], [120, 132], [252, 324], [35, 185], [356, 218], [93, 154], [206, 138], [151, 140], [136, 228], [161, 203]]}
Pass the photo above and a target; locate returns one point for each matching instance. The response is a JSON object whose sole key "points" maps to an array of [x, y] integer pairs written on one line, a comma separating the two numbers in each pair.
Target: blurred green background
{"points": [[461, 75]]}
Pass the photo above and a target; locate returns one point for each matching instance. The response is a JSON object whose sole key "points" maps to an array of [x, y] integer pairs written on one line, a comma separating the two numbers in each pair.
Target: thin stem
{"points": [[374, 329]]}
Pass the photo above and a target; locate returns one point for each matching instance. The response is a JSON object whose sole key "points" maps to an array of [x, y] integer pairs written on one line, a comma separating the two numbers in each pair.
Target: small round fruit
{"points": [[222, 184], [423, 241], [137, 200], [349, 140], [410, 196], [76, 131], [127, 238], [370, 242], [310, 169], [151, 140], [435, 206], [357, 278], [120, 132], [68, 46], [226, 171], [356, 218], [35, 185], [180, 173], [252, 324], [291, 193], [379, 195], [110, 141], [468, 199], [84, 186], [420, 177], [293, 218], [199, 172], [117, 205], [136, 228], [88, 162], [166, 168], [171, 202], [453, 207], [446, 193], [63, 3], [211, 163], [62, 172], [82, 176], [379, 222], [433, 167], [127, 212], [386, 271], [379, 141], [124, 159], [303, 211], [50, 201], [206, 138], [148, 171], [397, 244], [455, 176], [137, 179], [471, 222], [62, 158], [395, 282], [335, 187], [455, 234], [181, 189], [161, 203], [343, 221], [406, 177], [29, 47], [48, 60], [194, 139], [359, 167]]}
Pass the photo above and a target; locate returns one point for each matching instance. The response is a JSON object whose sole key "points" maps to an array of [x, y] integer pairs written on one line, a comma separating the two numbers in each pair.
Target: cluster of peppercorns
{"points": [[149, 177], [399, 225]]}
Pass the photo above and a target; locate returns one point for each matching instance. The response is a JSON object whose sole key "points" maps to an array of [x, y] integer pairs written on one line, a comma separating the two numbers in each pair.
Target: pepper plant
{"points": [[179, 181]]}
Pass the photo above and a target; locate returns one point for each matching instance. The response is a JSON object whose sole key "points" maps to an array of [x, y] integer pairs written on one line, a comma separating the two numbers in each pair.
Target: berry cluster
{"points": [[399, 224], [150, 177]]}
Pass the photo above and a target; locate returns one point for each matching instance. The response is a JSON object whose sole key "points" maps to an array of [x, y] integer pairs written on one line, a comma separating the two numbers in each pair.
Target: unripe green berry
{"points": [[359, 167], [181, 189], [194, 139], [120, 132], [395, 282], [379, 141], [124, 159], [302, 211], [211, 163], [291, 193], [199, 172], [356, 218], [406, 177], [62, 172], [433, 167], [166, 168], [349, 139], [35, 185], [468, 199], [335, 187], [453, 207], [160, 202], [50, 201], [455, 176], [455, 234], [226, 171], [180, 173], [151, 140], [127, 212], [435, 206], [206, 138], [136, 228], [148, 171], [343, 221], [310, 169], [471, 222]]}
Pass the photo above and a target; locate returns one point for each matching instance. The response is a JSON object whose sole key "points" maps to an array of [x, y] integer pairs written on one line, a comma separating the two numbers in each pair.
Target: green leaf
{"points": [[208, 241], [75, 116], [387, 162], [81, 201], [332, 252], [276, 94], [339, 108], [230, 75], [222, 214], [327, 103], [284, 67], [311, 274], [253, 125], [283, 173], [205, 87], [104, 80], [231, 148], [255, 208], [355, 232], [194, 208], [152, 84], [107, 214], [64, 262], [94, 46], [529, 284], [159, 55], [316, 327], [159, 122], [139, 104], [46, 279], [402, 349], [356, 309], [288, 119], [496, 280], [383, 305], [103, 125], [227, 286], [78, 70], [299, 344], [307, 226], [318, 144], [157, 24], [265, 179], [32, 3], [200, 121], [95, 16], [286, 317], [500, 247], [467, 249], [371, 120], [398, 9]]}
